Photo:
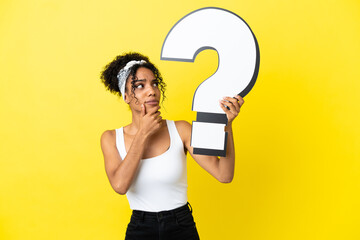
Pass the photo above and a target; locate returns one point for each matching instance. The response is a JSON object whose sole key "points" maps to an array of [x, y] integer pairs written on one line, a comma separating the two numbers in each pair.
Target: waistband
{"points": [[187, 207]]}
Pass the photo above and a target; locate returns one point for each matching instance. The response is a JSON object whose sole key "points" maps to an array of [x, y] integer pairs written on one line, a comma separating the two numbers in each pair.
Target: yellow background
{"points": [[297, 137]]}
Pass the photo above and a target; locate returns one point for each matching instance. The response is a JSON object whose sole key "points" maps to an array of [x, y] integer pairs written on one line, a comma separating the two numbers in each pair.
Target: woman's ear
{"points": [[126, 97]]}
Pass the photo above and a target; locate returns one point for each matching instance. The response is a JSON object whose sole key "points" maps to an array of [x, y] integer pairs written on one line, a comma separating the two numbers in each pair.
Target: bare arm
{"points": [[121, 172], [221, 168]]}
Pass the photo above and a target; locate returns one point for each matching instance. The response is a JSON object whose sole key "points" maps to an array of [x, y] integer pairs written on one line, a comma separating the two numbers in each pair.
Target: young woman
{"points": [[146, 160]]}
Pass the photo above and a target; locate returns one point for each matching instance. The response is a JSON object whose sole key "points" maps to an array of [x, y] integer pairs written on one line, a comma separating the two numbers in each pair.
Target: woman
{"points": [[146, 160]]}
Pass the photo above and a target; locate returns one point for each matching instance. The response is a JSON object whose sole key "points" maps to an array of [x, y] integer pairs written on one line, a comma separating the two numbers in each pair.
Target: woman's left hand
{"points": [[234, 104]]}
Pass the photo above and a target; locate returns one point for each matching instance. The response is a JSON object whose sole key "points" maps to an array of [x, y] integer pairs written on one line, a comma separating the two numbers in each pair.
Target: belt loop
{"points": [[142, 216], [160, 216], [173, 213], [190, 207]]}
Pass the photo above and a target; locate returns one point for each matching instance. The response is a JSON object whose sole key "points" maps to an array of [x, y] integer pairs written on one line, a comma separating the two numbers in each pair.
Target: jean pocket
{"points": [[132, 226], [185, 221]]}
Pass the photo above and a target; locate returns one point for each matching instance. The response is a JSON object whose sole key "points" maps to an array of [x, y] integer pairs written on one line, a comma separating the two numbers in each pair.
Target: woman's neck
{"points": [[134, 126]]}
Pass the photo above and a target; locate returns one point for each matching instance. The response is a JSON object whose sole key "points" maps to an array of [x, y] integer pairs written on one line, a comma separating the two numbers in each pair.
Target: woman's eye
{"points": [[155, 84], [139, 86]]}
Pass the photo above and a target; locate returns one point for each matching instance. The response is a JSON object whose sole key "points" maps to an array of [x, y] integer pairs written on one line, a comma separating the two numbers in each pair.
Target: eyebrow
{"points": [[143, 80]]}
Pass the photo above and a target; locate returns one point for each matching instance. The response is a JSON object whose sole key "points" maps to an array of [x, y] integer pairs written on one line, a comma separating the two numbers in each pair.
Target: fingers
{"points": [[152, 111], [231, 106], [237, 101], [143, 110], [232, 103], [159, 120], [223, 107], [229, 109], [240, 99], [156, 115], [150, 121]]}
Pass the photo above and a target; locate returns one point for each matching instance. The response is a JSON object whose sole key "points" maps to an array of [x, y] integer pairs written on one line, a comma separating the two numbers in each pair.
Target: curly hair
{"points": [[109, 74]]}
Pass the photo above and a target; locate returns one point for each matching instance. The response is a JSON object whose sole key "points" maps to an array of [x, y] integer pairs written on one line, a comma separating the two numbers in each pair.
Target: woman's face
{"points": [[146, 90]]}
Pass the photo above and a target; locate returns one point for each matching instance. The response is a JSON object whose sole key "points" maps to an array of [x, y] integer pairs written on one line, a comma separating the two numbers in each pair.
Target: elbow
{"points": [[225, 176], [227, 179], [122, 190]]}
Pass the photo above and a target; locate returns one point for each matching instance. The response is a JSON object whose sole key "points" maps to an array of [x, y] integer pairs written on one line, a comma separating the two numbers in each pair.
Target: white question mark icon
{"points": [[239, 60]]}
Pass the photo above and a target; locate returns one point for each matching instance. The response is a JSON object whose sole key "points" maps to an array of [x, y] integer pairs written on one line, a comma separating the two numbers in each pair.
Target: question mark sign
{"points": [[239, 59]]}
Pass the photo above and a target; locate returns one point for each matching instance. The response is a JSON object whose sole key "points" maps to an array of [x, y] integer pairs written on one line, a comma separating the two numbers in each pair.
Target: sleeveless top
{"points": [[160, 182]]}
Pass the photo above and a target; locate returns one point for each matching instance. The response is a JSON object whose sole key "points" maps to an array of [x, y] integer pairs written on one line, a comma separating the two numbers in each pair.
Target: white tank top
{"points": [[160, 182]]}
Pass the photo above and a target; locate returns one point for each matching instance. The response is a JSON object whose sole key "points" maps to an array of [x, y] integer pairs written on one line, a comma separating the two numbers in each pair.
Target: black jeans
{"points": [[177, 224]]}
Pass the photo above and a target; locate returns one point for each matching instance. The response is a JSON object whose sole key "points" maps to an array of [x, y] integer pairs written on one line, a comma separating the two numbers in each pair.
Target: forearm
{"points": [[124, 174], [223, 168], [227, 164]]}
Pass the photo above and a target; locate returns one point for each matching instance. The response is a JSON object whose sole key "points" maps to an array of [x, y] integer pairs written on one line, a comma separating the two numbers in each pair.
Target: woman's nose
{"points": [[151, 91]]}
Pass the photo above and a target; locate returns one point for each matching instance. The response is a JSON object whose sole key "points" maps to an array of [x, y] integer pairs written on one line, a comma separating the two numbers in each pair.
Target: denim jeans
{"points": [[177, 224]]}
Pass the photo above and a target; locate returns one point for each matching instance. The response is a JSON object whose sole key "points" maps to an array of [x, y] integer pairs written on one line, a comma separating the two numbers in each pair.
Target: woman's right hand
{"points": [[150, 121]]}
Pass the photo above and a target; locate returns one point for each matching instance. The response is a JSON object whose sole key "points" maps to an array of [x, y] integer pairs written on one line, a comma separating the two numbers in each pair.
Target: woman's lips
{"points": [[152, 102]]}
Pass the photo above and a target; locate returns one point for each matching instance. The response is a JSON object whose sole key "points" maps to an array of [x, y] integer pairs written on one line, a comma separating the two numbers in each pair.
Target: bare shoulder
{"points": [[108, 137], [184, 129], [182, 125]]}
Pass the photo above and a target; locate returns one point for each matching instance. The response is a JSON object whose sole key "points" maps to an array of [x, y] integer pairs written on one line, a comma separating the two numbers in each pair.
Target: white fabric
{"points": [[124, 74], [160, 182]]}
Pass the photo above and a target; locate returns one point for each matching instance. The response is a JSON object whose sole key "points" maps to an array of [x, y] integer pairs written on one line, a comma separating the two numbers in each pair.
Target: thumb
{"points": [[143, 110]]}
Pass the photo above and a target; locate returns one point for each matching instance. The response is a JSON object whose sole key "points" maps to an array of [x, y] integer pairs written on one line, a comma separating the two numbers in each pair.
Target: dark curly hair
{"points": [[109, 74]]}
